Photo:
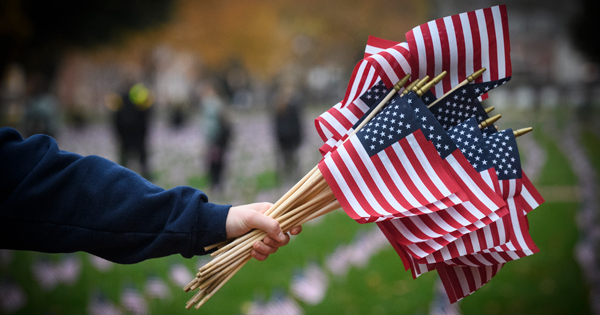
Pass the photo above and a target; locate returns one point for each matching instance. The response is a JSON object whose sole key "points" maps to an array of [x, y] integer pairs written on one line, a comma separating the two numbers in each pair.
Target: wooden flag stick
{"points": [[490, 121], [489, 109], [522, 131], [213, 291], [466, 81]]}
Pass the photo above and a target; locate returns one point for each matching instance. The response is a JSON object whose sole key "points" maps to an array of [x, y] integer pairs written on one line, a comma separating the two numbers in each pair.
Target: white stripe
{"points": [[335, 124], [489, 238], [386, 67], [498, 258], [421, 52], [457, 216], [475, 189], [441, 222], [477, 277], [416, 251], [453, 51], [501, 231], [499, 42], [400, 227], [515, 223], [433, 176], [464, 21], [357, 79], [437, 53], [464, 285], [474, 241], [460, 246], [481, 259], [400, 58], [325, 131], [349, 196], [487, 179], [361, 105], [371, 50], [485, 49], [455, 199], [528, 198], [423, 228], [346, 112], [367, 85]]}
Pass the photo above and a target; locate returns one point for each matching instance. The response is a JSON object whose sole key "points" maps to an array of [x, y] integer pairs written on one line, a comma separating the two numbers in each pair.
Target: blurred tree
{"points": [[35, 33], [586, 30]]}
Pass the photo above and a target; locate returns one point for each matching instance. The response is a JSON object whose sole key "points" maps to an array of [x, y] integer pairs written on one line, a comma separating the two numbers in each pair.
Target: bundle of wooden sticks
{"points": [[310, 198]]}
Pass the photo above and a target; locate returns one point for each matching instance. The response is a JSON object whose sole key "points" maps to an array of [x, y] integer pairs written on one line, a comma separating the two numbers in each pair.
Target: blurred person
{"points": [[217, 127], [41, 108], [131, 118], [55, 201], [288, 129]]}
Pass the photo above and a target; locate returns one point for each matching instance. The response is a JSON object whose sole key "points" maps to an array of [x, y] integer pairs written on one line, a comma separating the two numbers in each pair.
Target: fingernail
{"points": [[281, 237]]}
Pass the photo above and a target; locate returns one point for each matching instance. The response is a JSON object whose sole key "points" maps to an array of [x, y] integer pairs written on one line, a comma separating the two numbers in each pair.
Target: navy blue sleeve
{"points": [[59, 202]]}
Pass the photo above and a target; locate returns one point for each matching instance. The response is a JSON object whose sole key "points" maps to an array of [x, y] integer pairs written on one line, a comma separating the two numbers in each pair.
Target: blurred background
{"points": [[221, 96]]}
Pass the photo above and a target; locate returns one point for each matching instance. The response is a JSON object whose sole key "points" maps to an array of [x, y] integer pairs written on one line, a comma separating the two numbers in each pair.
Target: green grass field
{"points": [[549, 282]]}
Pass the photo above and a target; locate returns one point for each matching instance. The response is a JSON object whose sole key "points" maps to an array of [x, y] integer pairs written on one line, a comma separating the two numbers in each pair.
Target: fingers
{"points": [[262, 249], [296, 230], [267, 224]]}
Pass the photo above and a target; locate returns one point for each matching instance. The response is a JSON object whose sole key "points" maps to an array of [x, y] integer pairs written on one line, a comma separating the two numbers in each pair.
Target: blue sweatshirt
{"points": [[59, 202]]}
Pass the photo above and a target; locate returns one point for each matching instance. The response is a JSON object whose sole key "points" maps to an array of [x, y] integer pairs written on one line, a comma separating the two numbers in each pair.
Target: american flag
{"points": [[483, 201], [133, 301], [462, 44], [388, 169]]}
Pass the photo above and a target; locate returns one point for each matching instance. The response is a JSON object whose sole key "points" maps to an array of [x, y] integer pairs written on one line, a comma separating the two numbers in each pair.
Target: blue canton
{"points": [[431, 128], [394, 122], [372, 97]]}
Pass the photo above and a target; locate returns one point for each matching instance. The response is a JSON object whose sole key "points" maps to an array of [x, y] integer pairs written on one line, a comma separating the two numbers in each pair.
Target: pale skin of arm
{"points": [[244, 218]]}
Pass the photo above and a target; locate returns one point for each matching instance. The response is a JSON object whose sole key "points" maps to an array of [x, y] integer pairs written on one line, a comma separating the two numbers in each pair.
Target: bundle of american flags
{"points": [[424, 162]]}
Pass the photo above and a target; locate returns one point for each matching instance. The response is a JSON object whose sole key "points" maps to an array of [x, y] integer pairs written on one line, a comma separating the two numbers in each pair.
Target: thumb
{"points": [[267, 224]]}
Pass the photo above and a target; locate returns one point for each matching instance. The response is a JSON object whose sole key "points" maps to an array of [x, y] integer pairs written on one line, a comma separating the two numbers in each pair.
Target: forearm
{"points": [[62, 202]]}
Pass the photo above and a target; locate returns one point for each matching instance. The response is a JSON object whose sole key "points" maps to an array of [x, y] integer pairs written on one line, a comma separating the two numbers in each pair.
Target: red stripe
{"points": [[476, 43], [492, 43], [340, 118], [505, 32], [445, 46], [460, 45], [429, 53], [355, 110], [379, 43], [414, 58]]}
